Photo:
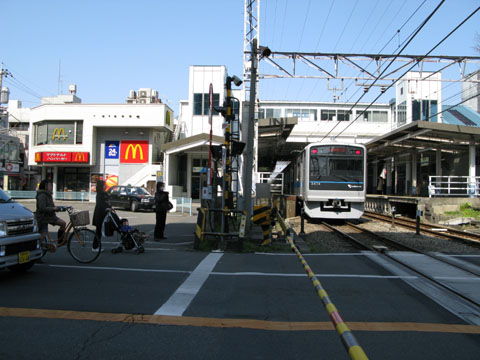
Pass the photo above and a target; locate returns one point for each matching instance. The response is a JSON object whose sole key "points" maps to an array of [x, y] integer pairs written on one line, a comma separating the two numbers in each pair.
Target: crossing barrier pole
{"points": [[349, 341]]}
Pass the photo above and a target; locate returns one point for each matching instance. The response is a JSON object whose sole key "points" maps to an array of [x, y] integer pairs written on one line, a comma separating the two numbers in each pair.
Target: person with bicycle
{"points": [[101, 206], [46, 209]]}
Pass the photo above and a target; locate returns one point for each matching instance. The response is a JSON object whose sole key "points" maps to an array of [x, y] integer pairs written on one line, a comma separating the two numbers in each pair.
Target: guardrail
{"points": [[464, 186], [351, 344], [184, 205]]}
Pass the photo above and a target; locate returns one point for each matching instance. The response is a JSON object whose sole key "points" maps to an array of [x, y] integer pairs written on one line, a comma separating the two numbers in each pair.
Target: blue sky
{"points": [[108, 47]]}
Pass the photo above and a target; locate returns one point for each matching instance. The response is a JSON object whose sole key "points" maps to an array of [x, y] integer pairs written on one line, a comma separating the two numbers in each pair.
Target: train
{"points": [[330, 180]]}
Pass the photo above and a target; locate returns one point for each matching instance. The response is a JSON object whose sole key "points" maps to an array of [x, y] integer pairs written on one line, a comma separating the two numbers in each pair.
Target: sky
{"points": [[109, 47]]}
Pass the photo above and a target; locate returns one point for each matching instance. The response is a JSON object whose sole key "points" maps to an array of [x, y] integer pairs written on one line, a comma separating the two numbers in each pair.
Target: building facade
{"points": [[76, 144]]}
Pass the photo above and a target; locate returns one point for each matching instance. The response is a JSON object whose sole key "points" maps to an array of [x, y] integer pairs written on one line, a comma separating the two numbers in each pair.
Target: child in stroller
{"points": [[129, 237]]}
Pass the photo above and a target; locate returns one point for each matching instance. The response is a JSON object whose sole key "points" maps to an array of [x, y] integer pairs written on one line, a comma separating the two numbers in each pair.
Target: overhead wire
{"points": [[417, 61], [301, 38], [388, 42], [316, 48], [386, 68]]}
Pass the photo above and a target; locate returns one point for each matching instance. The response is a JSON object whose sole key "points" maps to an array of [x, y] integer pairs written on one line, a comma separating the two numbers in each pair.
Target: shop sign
{"points": [[134, 151], [112, 149], [10, 167], [65, 156]]}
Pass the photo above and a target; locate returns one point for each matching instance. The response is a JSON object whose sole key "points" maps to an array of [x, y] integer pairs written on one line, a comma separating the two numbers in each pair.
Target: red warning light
{"points": [[358, 152], [314, 151]]}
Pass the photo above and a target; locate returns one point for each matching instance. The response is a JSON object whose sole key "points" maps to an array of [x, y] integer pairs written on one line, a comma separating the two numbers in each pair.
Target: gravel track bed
{"points": [[322, 240]]}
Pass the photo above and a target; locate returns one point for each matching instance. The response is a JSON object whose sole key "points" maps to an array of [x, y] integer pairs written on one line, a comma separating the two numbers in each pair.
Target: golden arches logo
{"points": [[38, 157], [80, 157], [134, 149], [59, 132]]}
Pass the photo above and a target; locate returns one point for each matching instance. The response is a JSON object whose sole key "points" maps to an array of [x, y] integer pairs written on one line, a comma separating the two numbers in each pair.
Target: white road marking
{"points": [[181, 299]]}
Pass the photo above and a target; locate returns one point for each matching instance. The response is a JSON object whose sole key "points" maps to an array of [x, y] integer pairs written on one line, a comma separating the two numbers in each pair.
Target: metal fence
{"points": [[184, 205], [464, 186]]}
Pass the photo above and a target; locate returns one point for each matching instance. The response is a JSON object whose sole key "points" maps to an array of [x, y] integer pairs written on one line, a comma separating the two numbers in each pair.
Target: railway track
{"points": [[422, 263], [435, 230]]}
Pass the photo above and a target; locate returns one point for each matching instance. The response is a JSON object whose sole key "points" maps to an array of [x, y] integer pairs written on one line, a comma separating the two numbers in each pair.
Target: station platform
{"points": [[431, 209]]}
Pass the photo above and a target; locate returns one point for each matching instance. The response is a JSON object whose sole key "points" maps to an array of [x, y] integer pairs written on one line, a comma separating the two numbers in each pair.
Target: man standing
{"points": [[162, 205]]}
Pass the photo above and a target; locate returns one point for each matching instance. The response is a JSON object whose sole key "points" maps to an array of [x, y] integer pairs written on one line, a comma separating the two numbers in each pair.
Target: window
{"points": [[273, 113], [366, 116], [379, 116], [201, 103], [402, 113], [58, 132], [328, 115], [197, 104], [303, 114], [343, 115], [261, 113]]}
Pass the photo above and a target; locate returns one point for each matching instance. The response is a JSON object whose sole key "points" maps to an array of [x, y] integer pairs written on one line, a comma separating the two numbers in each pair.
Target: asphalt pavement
{"points": [[173, 302]]}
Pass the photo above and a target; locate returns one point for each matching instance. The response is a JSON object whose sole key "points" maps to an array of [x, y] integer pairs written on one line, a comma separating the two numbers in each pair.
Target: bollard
{"points": [[392, 210], [417, 228], [302, 222]]}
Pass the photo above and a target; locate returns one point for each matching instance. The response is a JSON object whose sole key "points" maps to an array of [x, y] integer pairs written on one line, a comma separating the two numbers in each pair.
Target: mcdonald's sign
{"points": [[74, 157], [134, 151], [81, 157], [59, 132]]}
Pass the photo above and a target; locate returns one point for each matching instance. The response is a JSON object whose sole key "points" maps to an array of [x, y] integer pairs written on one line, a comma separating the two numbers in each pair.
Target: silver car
{"points": [[19, 237]]}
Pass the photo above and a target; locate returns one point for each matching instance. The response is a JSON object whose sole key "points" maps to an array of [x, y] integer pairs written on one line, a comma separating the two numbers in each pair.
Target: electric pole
{"points": [[250, 132]]}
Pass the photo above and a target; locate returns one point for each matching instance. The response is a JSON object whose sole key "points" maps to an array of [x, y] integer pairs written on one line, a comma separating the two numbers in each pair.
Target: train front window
{"points": [[336, 168]]}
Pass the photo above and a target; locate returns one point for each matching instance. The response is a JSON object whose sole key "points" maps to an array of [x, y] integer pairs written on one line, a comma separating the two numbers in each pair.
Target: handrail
{"points": [[454, 186]]}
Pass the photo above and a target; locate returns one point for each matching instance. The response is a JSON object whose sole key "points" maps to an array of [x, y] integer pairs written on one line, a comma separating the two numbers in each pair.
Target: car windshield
{"points": [[138, 191], [4, 197]]}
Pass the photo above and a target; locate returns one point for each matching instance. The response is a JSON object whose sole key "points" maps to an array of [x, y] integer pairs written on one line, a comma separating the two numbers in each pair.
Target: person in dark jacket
{"points": [[45, 213], [161, 207], [101, 206]]}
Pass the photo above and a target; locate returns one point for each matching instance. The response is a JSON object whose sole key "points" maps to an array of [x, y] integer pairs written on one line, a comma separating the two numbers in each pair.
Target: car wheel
{"points": [[134, 206]]}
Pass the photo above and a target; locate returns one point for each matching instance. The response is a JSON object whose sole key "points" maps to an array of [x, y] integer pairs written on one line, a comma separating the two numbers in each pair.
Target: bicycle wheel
{"points": [[80, 245]]}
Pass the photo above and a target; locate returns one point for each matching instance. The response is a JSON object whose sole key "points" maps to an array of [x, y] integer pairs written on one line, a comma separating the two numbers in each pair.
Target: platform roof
{"points": [[272, 137], [423, 135]]}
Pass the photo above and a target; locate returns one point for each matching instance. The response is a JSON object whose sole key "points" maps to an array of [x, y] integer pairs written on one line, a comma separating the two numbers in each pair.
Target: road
{"points": [[172, 302]]}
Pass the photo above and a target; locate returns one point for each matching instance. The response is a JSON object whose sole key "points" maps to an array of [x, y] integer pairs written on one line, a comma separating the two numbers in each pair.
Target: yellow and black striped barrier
{"points": [[351, 344], [261, 216], [200, 228]]}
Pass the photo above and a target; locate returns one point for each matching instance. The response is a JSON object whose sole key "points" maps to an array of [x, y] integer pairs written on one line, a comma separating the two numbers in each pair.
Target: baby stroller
{"points": [[129, 237]]}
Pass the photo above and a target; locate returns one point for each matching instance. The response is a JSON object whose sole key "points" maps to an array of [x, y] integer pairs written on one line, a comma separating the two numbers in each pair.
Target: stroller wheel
{"points": [[139, 250]]}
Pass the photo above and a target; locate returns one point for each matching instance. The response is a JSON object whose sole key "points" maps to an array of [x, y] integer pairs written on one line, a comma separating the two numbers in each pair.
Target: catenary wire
{"points": [[383, 71], [393, 83]]}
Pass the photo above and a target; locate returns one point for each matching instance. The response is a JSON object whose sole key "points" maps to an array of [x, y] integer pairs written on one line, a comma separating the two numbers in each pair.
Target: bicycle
{"points": [[78, 238]]}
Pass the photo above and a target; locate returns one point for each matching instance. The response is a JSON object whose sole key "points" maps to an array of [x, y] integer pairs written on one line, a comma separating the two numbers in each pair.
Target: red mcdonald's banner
{"points": [[64, 156], [134, 151]]}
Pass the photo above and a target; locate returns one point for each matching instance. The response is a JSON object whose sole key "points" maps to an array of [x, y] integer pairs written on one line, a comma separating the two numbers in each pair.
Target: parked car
{"points": [[19, 237], [130, 197]]}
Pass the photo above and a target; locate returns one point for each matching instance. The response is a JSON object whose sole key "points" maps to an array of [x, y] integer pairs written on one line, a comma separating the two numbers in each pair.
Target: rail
{"points": [[468, 186]]}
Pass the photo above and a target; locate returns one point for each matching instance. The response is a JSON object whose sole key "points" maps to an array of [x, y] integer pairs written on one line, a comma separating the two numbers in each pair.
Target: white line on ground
{"points": [[181, 299], [245, 273]]}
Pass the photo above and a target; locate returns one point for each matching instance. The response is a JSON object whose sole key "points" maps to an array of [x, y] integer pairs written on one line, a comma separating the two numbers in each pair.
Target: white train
{"points": [[331, 180]]}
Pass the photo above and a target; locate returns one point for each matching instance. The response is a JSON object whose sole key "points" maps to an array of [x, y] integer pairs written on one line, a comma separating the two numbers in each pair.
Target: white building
{"points": [[187, 157], [75, 144]]}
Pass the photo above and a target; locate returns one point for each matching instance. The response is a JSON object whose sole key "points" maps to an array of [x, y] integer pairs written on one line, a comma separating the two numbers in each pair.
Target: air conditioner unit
{"points": [[142, 94], [143, 101]]}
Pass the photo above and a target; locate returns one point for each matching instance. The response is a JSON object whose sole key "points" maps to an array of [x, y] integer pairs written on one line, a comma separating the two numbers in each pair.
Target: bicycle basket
{"points": [[81, 218]]}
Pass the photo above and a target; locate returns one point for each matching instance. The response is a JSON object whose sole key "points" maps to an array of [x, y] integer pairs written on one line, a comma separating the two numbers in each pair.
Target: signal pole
{"points": [[250, 132]]}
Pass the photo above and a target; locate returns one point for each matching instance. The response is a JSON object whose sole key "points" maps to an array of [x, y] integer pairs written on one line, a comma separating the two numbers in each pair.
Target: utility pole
{"points": [[250, 131]]}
